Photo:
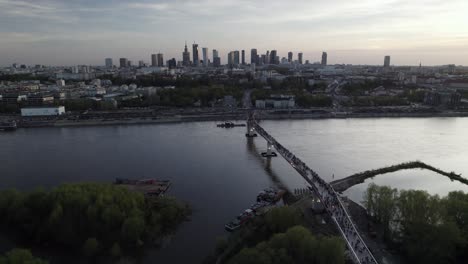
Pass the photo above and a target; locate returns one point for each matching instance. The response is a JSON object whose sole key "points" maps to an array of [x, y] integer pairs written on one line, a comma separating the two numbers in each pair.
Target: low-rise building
{"points": [[43, 111]]}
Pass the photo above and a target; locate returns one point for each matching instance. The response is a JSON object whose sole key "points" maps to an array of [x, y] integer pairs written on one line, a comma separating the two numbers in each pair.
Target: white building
{"points": [[43, 111]]}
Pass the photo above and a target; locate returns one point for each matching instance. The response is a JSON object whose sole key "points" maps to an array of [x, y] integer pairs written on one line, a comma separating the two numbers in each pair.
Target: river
{"points": [[219, 172]]}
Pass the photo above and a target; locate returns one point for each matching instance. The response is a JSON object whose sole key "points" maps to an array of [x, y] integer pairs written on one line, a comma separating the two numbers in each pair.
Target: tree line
{"points": [[424, 228]]}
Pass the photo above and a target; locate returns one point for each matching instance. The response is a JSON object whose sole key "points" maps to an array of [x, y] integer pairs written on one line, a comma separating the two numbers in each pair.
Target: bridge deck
{"points": [[360, 253]]}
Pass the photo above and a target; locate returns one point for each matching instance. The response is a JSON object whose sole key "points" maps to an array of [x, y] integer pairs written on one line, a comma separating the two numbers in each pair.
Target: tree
{"points": [[115, 251], [132, 229], [90, 247]]}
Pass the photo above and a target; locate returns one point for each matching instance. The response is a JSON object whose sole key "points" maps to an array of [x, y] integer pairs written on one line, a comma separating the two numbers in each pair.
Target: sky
{"points": [[71, 32]]}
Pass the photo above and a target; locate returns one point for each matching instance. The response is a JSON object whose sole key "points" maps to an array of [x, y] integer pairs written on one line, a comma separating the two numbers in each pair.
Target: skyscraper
{"points": [[324, 58], [205, 56], [123, 62], [196, 59], [154, 60], [290, 56], [273, 59], [109, 63], [233, 58], [267, 58], [216, 59], [186, 56], [387, 61], [141, 63], [299, 57], [160, 60], [243, 57], [253, 56]]}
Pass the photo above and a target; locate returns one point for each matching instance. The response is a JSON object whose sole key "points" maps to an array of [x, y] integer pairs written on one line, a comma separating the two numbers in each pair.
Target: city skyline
{"points": [[53, 32]]}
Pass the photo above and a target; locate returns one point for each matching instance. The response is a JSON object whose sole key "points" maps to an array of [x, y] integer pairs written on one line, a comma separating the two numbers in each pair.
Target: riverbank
{"points": [[217, 117]]}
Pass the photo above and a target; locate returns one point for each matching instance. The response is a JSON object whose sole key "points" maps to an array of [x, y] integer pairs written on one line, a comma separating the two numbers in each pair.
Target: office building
{"points": [[123, 62], [387, 61], [186, 56], [109, 63], [233, 58], [243, 57], [171, 64], [154, 60], [141, 63], [267, 58], [160, 60], [273, 57], [215, 54], [324, 58], [216, 61], [129, 63], [299, 57], [253, 56], [205, 56], [290, 56], [196, 59]]}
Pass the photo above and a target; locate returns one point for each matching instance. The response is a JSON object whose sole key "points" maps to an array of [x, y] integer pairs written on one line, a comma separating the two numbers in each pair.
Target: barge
{"points": [[230, 125], [149, 187]]}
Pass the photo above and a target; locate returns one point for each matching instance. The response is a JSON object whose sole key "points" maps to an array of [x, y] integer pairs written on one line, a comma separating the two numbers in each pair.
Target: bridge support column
{"points": [[250, 130], [269, 152]]}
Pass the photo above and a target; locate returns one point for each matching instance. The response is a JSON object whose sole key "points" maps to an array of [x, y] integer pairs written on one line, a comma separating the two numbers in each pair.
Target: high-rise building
{"points": [[186, 56], [171, 64], [123, 62], [196, 59], [129, 63], [387, 61], [290, 56], [109, 63], [205, 56], [160, 60], [154, 60], [243, 57], [253, 56], [233, 58], [141, 63], [216, 61], [267, 58], [324, 58], [299, 57], [273, 57]]}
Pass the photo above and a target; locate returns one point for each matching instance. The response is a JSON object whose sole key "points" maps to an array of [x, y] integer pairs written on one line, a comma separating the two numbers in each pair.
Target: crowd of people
{"points": [[329, 198]]}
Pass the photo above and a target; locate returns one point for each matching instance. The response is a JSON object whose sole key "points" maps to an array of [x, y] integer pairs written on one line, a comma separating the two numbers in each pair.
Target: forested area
{"points": [[90, 219], [279, 237], [296, 245], [423, 228]]}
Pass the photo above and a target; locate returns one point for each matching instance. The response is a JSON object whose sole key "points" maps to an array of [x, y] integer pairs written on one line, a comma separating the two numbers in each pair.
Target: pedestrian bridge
{"points": [[359, 252]]}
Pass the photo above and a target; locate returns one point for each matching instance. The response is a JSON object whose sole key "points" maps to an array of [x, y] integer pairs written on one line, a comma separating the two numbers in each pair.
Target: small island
{"points": [[92, 219]]}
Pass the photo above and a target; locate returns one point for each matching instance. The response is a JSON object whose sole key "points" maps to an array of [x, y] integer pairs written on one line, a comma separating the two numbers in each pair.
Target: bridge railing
{"points": [[359, 251]]}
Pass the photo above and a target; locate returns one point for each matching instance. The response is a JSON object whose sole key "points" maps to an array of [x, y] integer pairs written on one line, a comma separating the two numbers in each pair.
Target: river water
{"points": [[219, 172]]}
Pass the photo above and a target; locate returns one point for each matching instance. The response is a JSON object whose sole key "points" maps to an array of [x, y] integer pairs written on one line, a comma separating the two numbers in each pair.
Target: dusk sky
{"points": [[69, 32]]}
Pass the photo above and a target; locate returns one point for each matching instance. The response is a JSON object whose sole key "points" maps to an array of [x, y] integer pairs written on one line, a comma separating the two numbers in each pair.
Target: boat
{"points": [[266, 200], [270, 195], [149, 187], [230, 125], [8, 126]]}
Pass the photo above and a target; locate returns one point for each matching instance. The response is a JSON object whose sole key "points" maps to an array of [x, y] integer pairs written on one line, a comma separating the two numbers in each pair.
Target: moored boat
{"points": [[8, 126]]}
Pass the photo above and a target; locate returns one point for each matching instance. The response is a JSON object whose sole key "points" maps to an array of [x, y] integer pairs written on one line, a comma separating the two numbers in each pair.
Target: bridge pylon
{"points": [[269, 153], [250, 125]]}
